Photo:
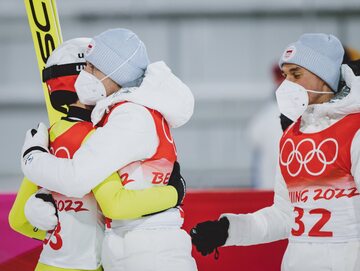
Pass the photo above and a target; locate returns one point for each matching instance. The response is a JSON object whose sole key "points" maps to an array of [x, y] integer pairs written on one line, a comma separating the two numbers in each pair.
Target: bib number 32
{"points": [[316, 230]]}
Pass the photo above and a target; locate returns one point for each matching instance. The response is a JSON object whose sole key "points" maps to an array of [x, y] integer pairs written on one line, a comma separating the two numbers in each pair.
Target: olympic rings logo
{"points": [[64, 149], [296, 155]]}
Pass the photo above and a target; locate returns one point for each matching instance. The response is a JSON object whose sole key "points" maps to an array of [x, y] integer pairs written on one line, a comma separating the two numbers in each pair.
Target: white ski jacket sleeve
{"points": [[128, 136], [263, 226]]}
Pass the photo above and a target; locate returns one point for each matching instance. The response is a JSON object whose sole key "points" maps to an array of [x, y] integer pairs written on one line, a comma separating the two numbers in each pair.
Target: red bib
{"points": [[317, 170]]}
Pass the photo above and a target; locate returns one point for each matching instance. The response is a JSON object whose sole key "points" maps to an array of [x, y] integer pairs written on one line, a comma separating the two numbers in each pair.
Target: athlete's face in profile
{"points": [[308, 80], [109, 84]]}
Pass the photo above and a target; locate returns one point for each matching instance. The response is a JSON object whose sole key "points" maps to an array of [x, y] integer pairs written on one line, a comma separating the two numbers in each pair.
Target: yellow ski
{"points": [[46, 33]]}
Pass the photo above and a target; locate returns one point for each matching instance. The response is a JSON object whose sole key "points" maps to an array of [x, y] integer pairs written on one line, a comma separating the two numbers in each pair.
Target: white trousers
{"points": [[148, 250], [322, 256]]}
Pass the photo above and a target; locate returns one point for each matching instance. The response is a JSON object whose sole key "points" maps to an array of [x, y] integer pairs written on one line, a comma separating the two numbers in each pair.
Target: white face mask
{"points": [[293, 99], [89, 89]]}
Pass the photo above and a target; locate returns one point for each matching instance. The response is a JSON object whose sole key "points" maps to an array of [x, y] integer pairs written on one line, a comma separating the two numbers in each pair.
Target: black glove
{"points": [[209, 235], [178, 182]]}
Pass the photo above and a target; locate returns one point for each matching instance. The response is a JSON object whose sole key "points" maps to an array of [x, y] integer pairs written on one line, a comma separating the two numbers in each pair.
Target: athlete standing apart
{"points": [[316, 203]]}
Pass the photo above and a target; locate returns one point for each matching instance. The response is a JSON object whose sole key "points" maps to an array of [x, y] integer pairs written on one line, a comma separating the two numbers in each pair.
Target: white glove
{"points": [[163, 85], [40, 213], [350, 78], [350, 104], [35, 141]]}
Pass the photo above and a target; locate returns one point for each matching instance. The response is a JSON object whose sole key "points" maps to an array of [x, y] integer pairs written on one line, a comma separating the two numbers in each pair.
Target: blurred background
{"points": [[224, 50]]}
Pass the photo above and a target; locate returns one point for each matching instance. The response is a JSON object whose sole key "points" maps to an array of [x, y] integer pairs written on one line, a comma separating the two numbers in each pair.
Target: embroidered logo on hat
{"points": [[90, 48], [289, 53]]}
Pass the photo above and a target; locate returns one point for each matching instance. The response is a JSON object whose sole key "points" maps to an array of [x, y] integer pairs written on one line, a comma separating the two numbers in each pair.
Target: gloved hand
{"points": [[209, 235], [163, 86], [178, 182], [345, 102], [36, 140], [351, 73], [40, 210], [348, 75], [154, 77]]}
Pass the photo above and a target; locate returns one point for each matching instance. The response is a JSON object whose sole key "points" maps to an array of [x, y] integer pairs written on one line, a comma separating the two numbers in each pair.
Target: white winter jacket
{"points": [[273, 223]]}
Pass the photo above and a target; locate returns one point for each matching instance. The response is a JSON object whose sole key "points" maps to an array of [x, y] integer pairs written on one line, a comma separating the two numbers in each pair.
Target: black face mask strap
{"points": [[62, 70]]}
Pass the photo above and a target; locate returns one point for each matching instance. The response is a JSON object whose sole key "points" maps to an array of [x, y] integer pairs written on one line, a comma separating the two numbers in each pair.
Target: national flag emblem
{"points": [[289, 53], [90, 47]]}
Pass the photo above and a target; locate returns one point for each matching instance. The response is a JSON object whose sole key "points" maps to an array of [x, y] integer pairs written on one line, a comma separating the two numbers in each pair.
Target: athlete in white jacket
{"points": [[134, 138], [316, 202], [129, 134]]}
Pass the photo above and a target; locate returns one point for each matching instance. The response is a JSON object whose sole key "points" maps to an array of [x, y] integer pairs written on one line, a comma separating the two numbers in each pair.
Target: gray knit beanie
{"points": [[120, 54], [321, 54]]}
